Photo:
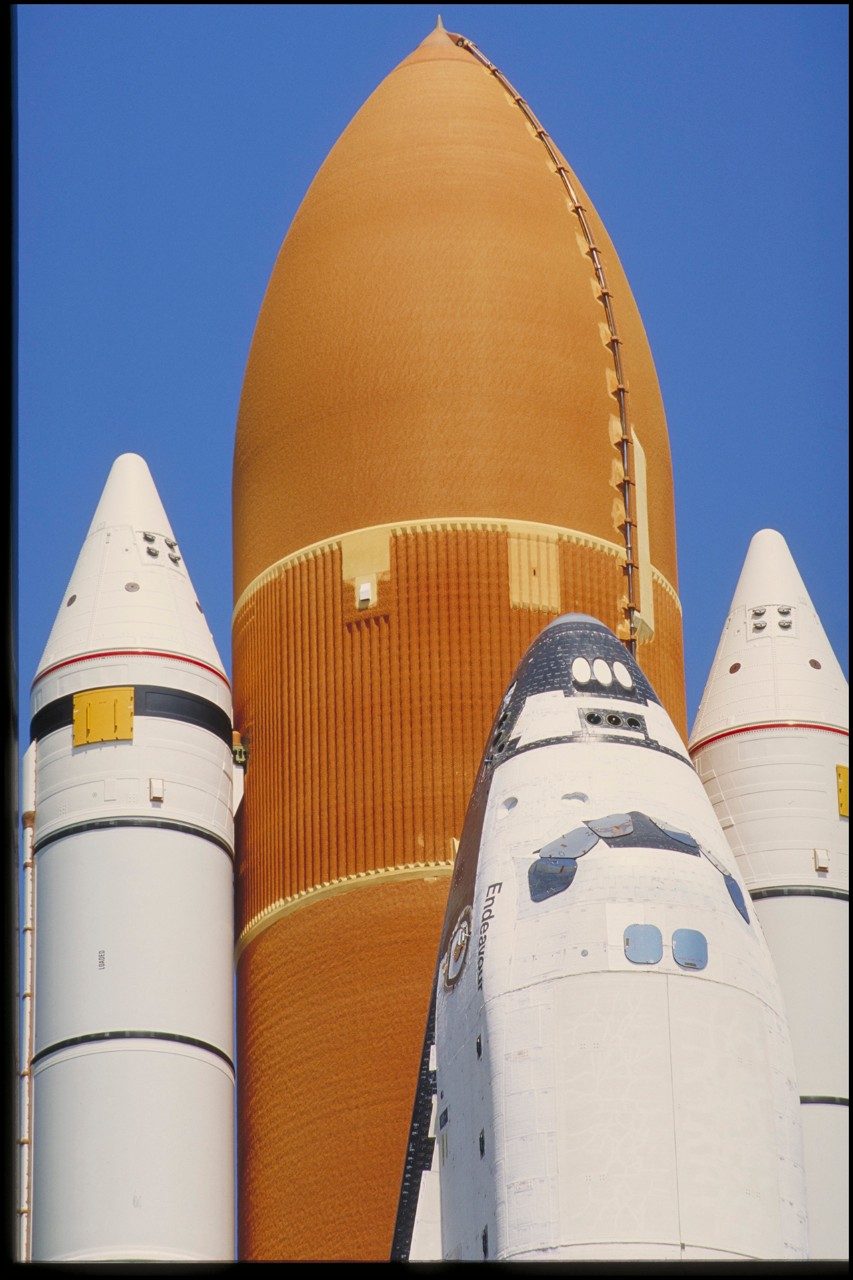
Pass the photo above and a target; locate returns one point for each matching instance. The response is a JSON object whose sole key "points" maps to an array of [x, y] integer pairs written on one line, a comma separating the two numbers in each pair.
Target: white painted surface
{"points": [[426, 1233], [135, 931], [827, 1143], [775, 792], [26, 1010], [133, 1154], [112, 779], [426, 1236], [133, 1098], [810, 937], [770, 733]]}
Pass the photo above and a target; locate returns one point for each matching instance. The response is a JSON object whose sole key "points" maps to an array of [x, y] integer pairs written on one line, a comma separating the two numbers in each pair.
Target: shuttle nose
{"points": [[578, 654], [567, 619]]}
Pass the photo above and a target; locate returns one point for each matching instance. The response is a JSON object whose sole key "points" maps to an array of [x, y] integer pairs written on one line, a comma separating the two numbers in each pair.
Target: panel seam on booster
{"points": [[99, 1036]]}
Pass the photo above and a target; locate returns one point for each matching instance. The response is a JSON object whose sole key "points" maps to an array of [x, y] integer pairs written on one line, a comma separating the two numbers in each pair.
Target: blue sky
{"points": [[163, 150]]}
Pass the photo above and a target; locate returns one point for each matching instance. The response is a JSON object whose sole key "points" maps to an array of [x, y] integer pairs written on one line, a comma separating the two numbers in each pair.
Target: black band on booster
{"points": [[148, 700], [132, 1035], [103, 824]]}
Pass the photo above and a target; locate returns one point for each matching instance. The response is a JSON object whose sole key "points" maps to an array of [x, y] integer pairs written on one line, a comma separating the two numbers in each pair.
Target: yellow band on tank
{"points": [[274, 912], [356, 542]]}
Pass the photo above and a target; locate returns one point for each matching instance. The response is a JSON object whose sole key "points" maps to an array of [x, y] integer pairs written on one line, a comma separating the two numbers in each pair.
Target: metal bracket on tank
{"points": [[614, 342]]}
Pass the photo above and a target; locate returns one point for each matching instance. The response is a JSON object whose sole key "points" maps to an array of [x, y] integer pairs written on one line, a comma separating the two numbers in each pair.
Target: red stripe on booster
{"points": [[770, 724], [132, 653]]}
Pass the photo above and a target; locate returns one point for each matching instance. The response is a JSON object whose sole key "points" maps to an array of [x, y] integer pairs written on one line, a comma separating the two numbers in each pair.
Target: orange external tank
{"points": [[450, 432]]}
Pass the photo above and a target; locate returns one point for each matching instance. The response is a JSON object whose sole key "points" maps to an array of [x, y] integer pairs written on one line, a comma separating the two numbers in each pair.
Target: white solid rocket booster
{"points": [[613, 1071], [132, 1069], [770, 743]]}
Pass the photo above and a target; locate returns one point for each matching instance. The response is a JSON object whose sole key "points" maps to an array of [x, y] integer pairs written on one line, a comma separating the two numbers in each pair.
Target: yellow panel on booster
{"points": [[103, 715]]}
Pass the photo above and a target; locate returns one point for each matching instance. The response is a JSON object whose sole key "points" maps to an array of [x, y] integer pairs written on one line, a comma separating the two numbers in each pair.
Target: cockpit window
{"points": [[602, 672], [613, 826], [683, 837], [550, 876], [690, 948], [643, 944], [556, 865], [574, 844], [581, 671], [736, 896], [623, 675]]}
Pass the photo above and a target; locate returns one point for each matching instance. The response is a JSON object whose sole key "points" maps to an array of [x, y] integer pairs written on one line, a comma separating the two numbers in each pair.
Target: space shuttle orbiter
{"points": [[613, 1073]]}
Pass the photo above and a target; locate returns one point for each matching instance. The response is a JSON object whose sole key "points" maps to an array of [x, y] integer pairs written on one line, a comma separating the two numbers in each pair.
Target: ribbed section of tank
{"points": [[450, 433]]}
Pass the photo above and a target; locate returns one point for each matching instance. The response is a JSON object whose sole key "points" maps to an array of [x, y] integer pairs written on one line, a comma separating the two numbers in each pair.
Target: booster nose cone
{"points": [[130, 589], [130, 497], [774, 661], [769, 570]]}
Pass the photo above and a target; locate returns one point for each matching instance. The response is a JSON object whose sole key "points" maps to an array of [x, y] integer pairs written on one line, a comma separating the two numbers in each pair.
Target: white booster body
{"points": [[133, 1076], [614, 1074], [770, 744]]}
